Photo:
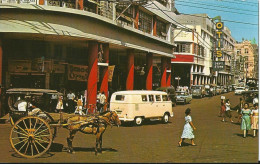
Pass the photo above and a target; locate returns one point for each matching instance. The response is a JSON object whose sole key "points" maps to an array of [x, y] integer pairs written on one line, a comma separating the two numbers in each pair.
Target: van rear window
{"points": [[120, 97]]}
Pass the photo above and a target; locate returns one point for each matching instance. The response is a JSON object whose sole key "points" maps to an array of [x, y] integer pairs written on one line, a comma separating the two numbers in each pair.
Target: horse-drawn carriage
{"points": [[34, 129]]}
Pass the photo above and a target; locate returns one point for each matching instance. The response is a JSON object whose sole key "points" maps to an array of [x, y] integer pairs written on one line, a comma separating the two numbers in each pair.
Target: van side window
{"points": [[158, 97], [120, 97], [144, 98], [151, 99], [164, 97]]}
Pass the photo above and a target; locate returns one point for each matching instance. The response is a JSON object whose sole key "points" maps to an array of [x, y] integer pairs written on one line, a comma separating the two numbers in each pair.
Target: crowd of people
{"points": [[247, 117]]}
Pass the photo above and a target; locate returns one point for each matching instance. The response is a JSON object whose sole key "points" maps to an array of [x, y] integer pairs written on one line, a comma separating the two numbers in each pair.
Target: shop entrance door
{"points": [[28, 81]]}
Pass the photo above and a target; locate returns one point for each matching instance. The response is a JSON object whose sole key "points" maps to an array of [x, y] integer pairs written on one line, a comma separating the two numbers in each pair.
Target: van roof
{"points": [[139, 92]]}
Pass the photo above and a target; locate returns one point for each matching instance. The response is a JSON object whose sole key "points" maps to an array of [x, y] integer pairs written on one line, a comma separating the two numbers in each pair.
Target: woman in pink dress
{"points": [[254, 119]]}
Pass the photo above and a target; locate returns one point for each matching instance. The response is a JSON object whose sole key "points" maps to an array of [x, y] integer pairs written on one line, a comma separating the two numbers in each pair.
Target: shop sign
{"points": [[110, 72], [218, 65], [69, 4], [28, 1], [219, 36], [53, 3], [19, 66], [77, 72]]}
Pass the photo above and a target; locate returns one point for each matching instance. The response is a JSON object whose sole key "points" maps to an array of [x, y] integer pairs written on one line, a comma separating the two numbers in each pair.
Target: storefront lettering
{"points": [[77, 72], [219, 36]]}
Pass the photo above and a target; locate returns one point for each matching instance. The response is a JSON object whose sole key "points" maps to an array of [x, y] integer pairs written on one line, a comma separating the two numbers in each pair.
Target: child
{"points": [[188, 128], [228, 111]]}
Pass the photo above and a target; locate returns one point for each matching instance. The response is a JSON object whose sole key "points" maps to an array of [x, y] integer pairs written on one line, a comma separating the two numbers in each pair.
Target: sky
{"points": [[244, 12]]}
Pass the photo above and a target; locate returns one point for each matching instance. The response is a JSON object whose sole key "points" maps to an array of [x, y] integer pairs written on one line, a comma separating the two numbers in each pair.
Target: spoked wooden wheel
{"points": [[31, 137]]}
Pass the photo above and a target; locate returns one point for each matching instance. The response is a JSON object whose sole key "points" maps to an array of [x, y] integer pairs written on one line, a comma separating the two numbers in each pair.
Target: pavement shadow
{"points": [[84, 149], [242, 135], [145, 123], [184, 144]]}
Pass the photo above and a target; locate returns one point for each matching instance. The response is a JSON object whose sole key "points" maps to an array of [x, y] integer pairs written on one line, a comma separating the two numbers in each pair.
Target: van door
{"points": [[151, 106], [144, 106], [159, 106]]}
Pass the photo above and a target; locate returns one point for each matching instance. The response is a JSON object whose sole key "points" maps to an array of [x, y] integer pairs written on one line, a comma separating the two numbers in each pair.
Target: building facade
{"points": [[79, 45], [194, 51]]}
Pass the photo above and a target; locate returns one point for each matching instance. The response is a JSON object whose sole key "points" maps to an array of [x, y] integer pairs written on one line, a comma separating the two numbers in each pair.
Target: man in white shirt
{"points": [[102, 101], [255, 100], [71, 105]]}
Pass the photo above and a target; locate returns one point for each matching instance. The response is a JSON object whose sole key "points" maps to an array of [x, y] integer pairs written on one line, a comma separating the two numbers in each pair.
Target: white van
{"points": [[139, 105]]}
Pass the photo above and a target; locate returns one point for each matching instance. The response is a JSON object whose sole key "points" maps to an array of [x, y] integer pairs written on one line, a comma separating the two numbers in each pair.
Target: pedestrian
{"points": [[223, 110], [71, 106], [188, 129], [241, 106], [228, 111], [98, 100], [246, 119], [79, 107], [59, 106], [255, 100], [54, 100], [102, 99], [254, 119]]}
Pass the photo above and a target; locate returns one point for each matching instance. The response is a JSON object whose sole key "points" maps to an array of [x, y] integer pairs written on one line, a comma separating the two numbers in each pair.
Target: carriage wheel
{"points": [[31, 137]]}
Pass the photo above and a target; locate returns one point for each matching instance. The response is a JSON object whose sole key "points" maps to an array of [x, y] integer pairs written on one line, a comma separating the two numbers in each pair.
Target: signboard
{"points": [[77, 72], [219, 36], [19, 66], [218, 65], [53, 3], [110, 72], [28, 1], [177, 78]]}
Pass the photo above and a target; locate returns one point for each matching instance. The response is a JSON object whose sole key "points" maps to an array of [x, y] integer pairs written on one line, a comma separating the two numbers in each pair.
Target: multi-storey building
{"points": [[246, 52], [74, 44], [195, 48], [226, 77]]}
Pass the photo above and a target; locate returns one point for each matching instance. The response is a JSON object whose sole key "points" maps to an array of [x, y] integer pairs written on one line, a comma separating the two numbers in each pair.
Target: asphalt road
{"points": [[217, 141]]}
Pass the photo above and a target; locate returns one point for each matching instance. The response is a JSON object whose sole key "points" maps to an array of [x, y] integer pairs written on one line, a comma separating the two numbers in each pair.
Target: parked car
{"points": [[218, 90], [170, 92], [239, 90], [230, 88], [183, 97], [213, 88], [234, 86], [222, 89], [225, 89], [139, 105], [246, 88], [198, 91]]}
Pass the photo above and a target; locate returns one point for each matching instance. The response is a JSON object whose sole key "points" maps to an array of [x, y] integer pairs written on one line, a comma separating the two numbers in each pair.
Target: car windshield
{"points": [[180, 93]]}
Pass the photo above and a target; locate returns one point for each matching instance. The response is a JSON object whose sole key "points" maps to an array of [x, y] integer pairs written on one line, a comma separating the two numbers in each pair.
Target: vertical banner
{"points": [[110, 72]]}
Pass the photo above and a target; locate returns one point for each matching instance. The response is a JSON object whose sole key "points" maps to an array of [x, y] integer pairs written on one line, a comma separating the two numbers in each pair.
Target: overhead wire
{"points": [[220, 6], [207, 8]]}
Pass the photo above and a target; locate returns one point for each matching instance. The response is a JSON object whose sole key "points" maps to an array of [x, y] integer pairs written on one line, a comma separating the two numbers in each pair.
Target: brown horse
{"points": [[91, 125]]}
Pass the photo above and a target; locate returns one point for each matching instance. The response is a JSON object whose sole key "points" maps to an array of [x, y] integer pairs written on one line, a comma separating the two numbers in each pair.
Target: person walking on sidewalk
{"points": [[246, 119], [255, 125], [188, 129], [228, 111]]}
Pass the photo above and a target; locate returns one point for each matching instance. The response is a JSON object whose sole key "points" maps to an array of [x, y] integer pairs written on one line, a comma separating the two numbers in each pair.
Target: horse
{"points": [[91, 125]]}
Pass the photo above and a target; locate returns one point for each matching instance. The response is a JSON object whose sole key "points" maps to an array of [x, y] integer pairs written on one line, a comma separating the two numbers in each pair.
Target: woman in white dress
{"points": [[188, 128], [254, 119]]}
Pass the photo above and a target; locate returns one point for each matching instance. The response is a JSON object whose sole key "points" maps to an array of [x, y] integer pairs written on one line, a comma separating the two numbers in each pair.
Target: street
{"points": [[217, 141]]}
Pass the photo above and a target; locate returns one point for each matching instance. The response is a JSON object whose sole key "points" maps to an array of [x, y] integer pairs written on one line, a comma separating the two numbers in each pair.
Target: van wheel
{"points": [[165, 118], [138, 121]]}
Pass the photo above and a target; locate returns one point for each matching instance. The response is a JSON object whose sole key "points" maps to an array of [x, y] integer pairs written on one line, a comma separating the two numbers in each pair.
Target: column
{"points": [[47, 81], [80, 4], [92, 74], [199, 79], [1, 65], [202, 80], [154, 26], [136, 17], [130, 70], [149, 71], [163, 71], [195, 81], [168, 72], [104, 77]]}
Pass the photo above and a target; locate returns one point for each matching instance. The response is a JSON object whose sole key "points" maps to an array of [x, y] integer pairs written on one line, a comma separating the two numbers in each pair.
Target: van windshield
{"points": [[120, 97]]}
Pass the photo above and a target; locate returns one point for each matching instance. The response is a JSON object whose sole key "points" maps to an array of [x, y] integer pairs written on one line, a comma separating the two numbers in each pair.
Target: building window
{"points": [[183, 47], [127, 17], [145, 22], [161, 29], [246, 51]]}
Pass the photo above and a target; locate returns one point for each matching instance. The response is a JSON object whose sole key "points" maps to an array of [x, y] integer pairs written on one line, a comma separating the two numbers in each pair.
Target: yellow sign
{"points": [[110, 72], [77, 72]]}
